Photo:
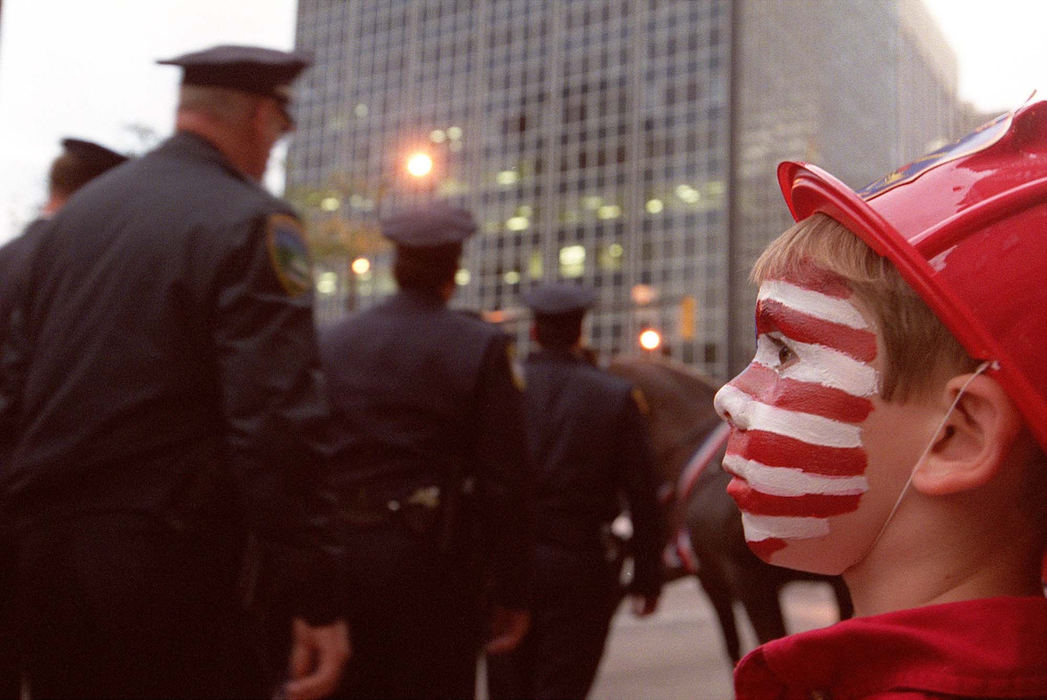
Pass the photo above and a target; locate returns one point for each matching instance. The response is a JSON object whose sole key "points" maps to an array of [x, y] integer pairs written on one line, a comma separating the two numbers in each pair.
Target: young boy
{"points": [[892, 424]]}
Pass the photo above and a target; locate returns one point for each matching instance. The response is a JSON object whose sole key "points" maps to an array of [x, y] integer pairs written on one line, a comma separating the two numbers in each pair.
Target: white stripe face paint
{"points": [[786, 481], [816, 304], [821, 365], [797, 411], [814, 430], [760, 527]]}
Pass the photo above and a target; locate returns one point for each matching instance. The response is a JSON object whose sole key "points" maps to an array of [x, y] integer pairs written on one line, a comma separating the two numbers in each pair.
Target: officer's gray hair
{"points": [[223, 104]]}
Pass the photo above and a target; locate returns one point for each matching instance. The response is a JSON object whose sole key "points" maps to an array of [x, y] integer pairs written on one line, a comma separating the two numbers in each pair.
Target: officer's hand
{"points": [[508, 628], [643, 605], [318, 655]]}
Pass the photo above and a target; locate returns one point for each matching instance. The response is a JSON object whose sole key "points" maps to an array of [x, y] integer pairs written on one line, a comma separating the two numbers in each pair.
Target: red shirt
{"points": [[991, 648]]}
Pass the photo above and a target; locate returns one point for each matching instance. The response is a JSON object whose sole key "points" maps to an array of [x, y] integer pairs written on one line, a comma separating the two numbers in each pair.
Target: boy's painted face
{"points": [[798, 411]]}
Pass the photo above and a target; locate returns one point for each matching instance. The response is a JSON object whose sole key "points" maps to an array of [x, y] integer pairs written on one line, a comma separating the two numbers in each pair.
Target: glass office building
{"points": [[626, 144]]}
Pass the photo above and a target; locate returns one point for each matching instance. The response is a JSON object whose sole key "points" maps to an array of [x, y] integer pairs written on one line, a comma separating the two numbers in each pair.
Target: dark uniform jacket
{"points": [[418, 392], [590, 446], [174, 371], [14, 260]]}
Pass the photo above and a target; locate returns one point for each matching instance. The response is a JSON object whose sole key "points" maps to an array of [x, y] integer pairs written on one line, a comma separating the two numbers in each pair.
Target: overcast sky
{"points": [[85, 68]]}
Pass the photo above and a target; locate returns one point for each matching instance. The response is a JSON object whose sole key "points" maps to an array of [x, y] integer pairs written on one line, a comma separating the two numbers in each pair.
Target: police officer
{"points": [[590, 447], [171, 416], [430, 457], [79, 163]]}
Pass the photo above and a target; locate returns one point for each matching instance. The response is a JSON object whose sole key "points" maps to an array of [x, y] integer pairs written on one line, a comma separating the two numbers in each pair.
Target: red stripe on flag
{"points": [[779, 451], [772, 315], [804, 397]]}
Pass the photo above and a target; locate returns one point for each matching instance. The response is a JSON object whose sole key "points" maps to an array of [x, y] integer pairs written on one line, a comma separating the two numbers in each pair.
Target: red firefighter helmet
{"points": [[966, 226]]}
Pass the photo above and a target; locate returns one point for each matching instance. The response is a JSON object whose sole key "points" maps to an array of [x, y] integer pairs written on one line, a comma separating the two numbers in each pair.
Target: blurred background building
{"points": [[627, 144]]}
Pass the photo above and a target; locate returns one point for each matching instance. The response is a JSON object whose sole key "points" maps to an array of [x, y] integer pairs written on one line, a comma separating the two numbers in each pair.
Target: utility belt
{"points": [[419, 510]]}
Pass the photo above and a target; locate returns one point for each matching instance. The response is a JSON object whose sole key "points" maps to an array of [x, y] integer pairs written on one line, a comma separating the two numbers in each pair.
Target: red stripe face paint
{"points": [[797, 411]]}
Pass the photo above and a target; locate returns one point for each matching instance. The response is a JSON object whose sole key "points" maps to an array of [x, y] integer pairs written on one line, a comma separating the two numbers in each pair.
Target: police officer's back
{"points": [[590, 449], [429, 446], [171, 408], [79, 162]]}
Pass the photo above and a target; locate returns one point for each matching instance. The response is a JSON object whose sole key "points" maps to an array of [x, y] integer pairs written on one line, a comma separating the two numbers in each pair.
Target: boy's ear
{"points": [[975, 440]]}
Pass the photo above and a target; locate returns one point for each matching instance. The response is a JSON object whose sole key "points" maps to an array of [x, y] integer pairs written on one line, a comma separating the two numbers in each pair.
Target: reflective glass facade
{"points": [[593, 141]]}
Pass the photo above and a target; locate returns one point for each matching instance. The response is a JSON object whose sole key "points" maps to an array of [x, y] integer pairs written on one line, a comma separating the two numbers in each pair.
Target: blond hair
{"points": [[911, 332]]}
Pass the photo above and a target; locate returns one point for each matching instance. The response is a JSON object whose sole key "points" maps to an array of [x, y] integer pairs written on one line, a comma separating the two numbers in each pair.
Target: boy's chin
{"points": [[814, 556]]}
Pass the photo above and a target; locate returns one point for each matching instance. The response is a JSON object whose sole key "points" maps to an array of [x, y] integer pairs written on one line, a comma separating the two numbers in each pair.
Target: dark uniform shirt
{"points": [[416, 389], [590, 446], [174, 371]]}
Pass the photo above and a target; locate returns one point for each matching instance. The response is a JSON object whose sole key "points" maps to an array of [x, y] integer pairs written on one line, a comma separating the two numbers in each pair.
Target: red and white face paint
{"points": [[797, 411]]}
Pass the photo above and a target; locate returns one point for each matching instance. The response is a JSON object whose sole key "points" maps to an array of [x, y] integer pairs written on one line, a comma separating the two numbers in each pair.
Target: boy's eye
{"points": [[783, 354]]}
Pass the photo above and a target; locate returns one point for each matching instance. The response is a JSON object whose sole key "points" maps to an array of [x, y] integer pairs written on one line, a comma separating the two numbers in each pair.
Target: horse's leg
{"points": [[710, 575], [843, 598], [758, 587]]}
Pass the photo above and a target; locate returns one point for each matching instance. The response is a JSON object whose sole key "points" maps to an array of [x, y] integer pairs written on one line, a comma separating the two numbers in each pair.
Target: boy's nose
{"points": [[733, 405]]}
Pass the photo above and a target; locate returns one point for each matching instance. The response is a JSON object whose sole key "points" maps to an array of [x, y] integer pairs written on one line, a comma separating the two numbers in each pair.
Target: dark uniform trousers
{"points": [[414, 617], [590, 448], [161, 603]]}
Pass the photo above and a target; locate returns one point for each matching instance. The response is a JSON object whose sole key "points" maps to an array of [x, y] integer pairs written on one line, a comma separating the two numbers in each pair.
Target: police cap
{"points": [[430, 226], [250, 69], [559, 298], [91, 156]]}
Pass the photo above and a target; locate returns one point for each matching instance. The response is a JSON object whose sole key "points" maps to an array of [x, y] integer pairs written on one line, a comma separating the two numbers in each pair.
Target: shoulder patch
{"points": [[641, 401], [289, 253]]}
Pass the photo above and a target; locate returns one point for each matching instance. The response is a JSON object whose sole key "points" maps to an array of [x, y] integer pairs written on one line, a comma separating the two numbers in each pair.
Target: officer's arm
{"points": [[638, 480], [275, 410], [500, 456]]}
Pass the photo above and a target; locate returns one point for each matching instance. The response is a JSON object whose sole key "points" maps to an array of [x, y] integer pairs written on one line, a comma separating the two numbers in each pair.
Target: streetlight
{"points": [[419, 164], [650, 339]]}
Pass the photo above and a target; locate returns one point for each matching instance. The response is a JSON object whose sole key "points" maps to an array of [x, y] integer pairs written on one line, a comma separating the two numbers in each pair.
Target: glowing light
{"points": [[419, 164], [454, 133], [650, 339], [609, 211], [507, 177], [512, 277], [615, 250], [329, 203], [361, 266], [360, 110], [517, 223], [462, 277], [437, 136], [688, 194], [572, 261], [654, 206], [327, 283]]}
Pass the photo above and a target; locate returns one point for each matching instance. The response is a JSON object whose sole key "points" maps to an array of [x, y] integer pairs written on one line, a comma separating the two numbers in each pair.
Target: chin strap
{"points": [[916, 467]]}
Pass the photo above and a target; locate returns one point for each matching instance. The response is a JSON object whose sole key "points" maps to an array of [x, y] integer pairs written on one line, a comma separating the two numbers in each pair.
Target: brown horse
{"points": [[701, 519]]}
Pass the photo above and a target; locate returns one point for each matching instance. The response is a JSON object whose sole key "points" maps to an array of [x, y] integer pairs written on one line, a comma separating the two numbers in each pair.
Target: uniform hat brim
{"points": [[252, 69], [93, 155]]}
